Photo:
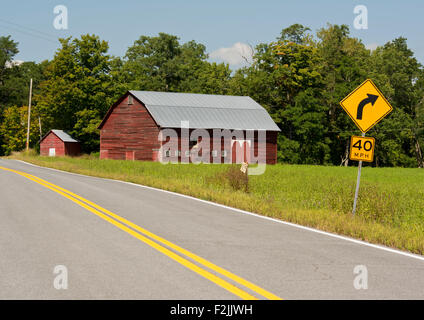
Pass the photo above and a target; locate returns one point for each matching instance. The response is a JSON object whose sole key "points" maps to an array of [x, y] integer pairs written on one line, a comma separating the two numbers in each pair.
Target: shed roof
{"points": [[207, 111], [62, 135]]}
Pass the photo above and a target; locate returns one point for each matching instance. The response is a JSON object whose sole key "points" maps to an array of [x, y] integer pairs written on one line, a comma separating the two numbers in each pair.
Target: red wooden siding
{"points": [[270, 152], [61, 148], [52, 141], [130, 133]]}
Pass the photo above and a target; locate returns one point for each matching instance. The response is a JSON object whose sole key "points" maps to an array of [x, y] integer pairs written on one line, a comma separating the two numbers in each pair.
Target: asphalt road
{"points": [[41, 228]]}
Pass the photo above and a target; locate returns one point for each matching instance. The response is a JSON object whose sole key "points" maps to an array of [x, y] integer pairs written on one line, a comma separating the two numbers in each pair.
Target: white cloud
{"points": [[235, 55], [371, 46], [13, 63]]}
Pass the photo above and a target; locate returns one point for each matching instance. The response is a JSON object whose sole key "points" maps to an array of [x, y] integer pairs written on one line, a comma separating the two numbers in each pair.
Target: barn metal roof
{"points": [[206, 111], [65, 137]]}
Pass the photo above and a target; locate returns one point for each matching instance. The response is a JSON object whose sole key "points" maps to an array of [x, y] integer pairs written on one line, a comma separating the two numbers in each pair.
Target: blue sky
{"points": [[217, 24]]}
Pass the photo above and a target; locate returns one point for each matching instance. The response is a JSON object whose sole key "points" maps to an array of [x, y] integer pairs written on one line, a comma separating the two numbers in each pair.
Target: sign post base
{"points": [[358, 180]]}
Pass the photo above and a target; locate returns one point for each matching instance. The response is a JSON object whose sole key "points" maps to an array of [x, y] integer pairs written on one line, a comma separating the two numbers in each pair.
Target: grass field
{"points": [[390, 209]]}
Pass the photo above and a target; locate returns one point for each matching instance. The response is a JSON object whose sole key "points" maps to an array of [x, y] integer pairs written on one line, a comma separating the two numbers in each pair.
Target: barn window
{"points": [[167, 153], [187, 153], [214, 153], [178, 153], [224, 153], [130, 99]]}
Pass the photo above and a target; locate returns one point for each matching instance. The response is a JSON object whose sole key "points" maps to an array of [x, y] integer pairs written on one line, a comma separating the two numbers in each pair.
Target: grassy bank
{"points": [[390, 209]]}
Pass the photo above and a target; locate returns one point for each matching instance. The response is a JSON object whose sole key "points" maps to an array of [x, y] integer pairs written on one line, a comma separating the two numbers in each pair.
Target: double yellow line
{"points": [[160, 244]]}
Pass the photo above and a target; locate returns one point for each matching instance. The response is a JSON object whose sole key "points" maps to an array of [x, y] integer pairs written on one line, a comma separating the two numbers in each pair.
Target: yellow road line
{"points": [[177, 248], [80, 200], [222, 283]]}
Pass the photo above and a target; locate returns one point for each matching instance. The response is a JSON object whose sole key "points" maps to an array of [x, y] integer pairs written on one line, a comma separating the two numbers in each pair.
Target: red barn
{"points": [[59, 143], [142, 124]]}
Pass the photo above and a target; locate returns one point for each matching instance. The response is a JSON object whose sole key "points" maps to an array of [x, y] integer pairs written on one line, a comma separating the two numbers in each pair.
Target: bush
{"points": [[231, 177], [236, 179]]}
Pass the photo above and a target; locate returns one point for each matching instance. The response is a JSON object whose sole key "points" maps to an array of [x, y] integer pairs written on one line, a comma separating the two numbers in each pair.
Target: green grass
{"points": [[390, 208]]}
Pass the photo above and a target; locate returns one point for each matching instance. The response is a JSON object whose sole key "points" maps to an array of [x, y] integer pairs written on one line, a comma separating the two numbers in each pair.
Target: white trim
{"points": [[404, 253]]}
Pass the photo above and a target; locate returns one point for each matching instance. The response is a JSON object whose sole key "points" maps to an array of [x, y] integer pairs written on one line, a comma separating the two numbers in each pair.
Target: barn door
{"points": [[52, 152], [240, 151], [130, 155]]}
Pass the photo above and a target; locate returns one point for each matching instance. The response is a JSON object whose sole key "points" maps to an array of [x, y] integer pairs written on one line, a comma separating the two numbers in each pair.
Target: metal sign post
{"points": [[358, 180], [366, 106], [29, 114]]}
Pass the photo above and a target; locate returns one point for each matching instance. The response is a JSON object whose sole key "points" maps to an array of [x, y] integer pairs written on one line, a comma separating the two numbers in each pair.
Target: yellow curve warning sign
{"points": [[366, 105]]}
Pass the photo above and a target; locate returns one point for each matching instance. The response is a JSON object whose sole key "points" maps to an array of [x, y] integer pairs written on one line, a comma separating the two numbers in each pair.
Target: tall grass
{"points": [[390, 207]]}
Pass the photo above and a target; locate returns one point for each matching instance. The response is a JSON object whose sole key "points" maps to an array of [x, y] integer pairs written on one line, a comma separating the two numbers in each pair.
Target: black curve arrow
{"points": [[371, 99]]}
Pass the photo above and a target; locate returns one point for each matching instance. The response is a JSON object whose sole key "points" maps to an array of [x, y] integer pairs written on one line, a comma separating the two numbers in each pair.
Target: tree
{"points": [[14, 92], [161, 63], [13, 129], [78, 90], [343, 68], [296, 33], [418, 124], [17, 82], [286, 78], [399, 76], [299, 78], [8, 49]]}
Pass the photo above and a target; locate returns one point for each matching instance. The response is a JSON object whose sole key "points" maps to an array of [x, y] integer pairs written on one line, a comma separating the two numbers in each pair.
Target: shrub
{"points": [[236, 179]]}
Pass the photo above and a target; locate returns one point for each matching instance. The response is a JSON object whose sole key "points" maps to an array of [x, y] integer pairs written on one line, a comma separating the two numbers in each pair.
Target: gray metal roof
{"points": [[206, 111], [63, 136]]}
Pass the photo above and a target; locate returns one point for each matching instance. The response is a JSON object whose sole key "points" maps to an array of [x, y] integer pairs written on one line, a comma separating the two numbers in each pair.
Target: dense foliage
{"points": [[300, 78]]}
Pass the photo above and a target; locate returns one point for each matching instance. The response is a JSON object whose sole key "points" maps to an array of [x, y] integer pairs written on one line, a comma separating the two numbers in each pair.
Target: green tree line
{"points": [[299, 78]]}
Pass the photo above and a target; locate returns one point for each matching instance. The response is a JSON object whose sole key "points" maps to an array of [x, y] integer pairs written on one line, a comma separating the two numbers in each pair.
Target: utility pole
{"points": [[39, 125], [29, 114]]}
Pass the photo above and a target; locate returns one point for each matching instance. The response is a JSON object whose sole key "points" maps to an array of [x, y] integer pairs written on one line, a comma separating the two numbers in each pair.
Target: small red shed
{"points": [[59, 143]]}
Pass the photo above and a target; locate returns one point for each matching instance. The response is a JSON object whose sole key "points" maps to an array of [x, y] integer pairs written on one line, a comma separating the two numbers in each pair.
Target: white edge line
{"points": [[333, 235]]}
